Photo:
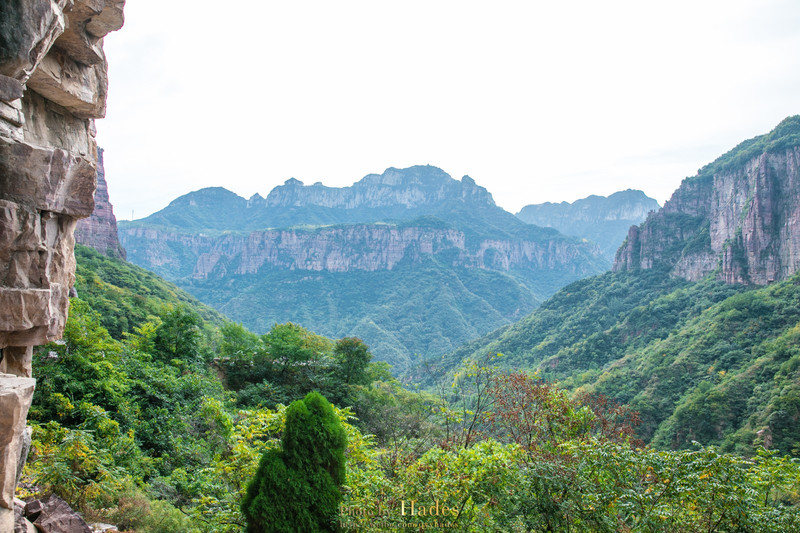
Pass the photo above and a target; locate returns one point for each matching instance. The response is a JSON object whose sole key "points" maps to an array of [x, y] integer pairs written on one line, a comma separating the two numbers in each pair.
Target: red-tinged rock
{"points": [[99, 230]]}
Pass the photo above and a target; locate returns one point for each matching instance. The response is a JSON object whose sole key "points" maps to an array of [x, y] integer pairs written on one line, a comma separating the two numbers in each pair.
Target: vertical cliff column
{"points": [[53, 83], [99, 231]]}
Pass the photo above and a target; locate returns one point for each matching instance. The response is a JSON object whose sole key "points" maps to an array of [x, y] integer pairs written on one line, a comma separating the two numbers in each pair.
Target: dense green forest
{"points": [[706, 362], [415, 308], [160, 426]]}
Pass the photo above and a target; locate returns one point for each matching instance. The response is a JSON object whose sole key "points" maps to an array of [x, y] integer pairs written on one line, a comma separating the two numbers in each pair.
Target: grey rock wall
{"points": [[344, 249], [742, 224]]}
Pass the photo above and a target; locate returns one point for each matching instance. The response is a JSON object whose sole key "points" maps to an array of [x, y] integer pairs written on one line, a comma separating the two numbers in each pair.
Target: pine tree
{"points": [[296, 488]]}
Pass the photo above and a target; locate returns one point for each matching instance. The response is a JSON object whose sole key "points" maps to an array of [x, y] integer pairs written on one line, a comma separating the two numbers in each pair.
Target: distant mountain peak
{"points": [[203, 196], [414, 175], [410, 187], [604, 220], [255, 201]]}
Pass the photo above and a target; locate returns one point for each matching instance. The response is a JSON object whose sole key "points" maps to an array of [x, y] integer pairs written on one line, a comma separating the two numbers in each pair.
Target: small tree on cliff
{"points": [[296, 488]]}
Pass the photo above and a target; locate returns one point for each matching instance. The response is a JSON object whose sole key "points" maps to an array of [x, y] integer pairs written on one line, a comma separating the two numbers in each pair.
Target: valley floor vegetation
{"points": [[158, 424]]}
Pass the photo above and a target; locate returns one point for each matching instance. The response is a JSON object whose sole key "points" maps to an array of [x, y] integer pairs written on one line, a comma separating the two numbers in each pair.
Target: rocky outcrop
{"points": [[600, 219], [344, 249], [739, 218], [99, 230], [54, 515], [411, 188], [397, 194], [16, 394], [53, 85]]}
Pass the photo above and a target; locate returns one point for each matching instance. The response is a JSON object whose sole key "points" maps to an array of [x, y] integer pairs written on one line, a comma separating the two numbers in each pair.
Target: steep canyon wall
{"points": [[53, 83], [360, 247], [739, 220]]}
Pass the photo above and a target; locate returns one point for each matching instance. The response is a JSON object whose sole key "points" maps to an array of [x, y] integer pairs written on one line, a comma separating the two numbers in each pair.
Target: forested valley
{"points": [[663, 395], [157, 423]]}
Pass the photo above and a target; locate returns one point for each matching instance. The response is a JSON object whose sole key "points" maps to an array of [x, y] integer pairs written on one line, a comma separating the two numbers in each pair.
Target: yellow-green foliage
{"points": [[138, 431]]}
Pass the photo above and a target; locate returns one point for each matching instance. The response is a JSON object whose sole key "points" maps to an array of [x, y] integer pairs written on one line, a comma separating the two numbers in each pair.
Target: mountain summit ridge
{"points": [[411, 187], [396, 194]]}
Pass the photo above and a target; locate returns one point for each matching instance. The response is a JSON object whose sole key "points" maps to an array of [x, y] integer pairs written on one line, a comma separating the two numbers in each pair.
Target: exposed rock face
{"points": [[55, 516], [344, 249], [740, 217], [214, 231], [413, 187], [100, 230], [604, 220], [52, 86], [16, 394], [397, 194]]}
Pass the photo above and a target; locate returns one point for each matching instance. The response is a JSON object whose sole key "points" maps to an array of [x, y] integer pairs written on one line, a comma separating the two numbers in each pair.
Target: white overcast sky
{"points": [[537, 101]]}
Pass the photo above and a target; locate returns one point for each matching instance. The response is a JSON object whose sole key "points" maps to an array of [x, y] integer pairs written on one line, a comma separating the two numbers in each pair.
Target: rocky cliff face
{"points": [[99, 230], [600, 219], [397, 194], [739, 218], [411, 188], [346, 229], [345, 249], [53, 85]]}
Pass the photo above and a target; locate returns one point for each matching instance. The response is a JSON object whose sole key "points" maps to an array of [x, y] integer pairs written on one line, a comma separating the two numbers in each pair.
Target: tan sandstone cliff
{"points": [[53, 83]]}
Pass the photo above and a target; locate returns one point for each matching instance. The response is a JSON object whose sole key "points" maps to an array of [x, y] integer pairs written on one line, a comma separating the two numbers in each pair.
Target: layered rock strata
{"points": [[53, 83], [739, 220], [360, 247], [99, 230]]}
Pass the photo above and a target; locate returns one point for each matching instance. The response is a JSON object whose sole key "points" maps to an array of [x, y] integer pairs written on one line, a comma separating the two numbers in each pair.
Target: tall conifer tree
{"points": [[296, 488]]}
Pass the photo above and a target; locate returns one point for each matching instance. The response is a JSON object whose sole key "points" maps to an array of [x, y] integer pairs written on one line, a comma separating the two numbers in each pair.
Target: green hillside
{"points": [[126, 295], [705, 362], [784, 135], [414, 309], [161, 429]]}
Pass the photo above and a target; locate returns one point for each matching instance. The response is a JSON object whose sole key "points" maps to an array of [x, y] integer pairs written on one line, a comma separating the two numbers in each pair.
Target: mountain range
{"points": [[698, 326], [411, 260]]}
